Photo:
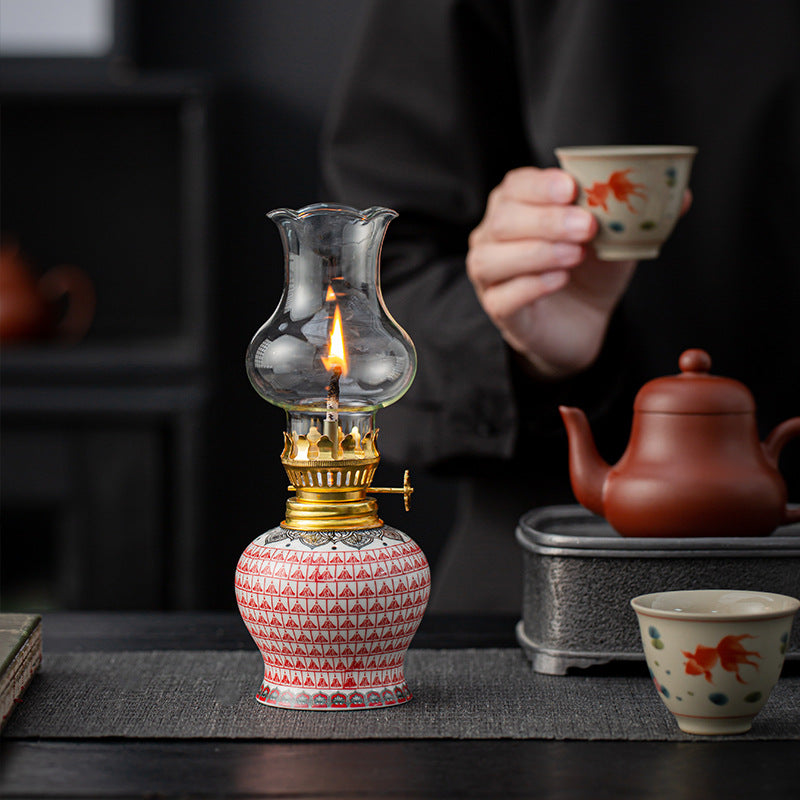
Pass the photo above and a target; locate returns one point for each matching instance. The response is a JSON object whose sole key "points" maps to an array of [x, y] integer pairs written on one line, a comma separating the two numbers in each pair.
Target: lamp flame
{"points": [[337, 356]]}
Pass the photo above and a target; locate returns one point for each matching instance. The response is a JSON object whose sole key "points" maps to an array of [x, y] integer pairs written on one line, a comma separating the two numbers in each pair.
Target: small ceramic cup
{"points": [[635, 192], [715, 654]]}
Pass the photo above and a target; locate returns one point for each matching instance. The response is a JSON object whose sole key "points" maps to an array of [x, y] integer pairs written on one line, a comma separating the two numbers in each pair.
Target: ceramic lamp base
{"points": [[347, 700], [333, 614]]}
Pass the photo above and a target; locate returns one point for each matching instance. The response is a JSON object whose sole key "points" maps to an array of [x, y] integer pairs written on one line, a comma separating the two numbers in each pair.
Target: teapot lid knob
{"points": [[695, 360], [694, 390]]}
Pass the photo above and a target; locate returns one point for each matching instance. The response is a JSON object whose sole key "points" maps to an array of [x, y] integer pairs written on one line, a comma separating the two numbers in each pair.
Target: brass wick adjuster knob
{"points": [[407, 490]]}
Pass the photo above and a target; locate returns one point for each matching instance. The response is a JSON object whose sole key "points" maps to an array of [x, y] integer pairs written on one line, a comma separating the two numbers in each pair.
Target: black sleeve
{"points": [[427, 121]]}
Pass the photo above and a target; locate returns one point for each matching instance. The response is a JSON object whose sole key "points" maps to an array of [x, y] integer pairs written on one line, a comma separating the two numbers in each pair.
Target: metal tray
{"points": [[579, 577]]}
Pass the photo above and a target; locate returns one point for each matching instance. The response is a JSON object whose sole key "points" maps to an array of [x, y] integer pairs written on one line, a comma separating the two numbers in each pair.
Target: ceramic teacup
{"points": [[715, 654], [635, 192]]}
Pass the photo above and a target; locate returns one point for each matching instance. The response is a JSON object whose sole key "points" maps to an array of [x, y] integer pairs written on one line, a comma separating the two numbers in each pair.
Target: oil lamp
{"points": [[332, 596]]}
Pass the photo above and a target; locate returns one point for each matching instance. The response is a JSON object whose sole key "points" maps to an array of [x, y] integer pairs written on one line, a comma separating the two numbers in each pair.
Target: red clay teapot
{"points": [[30, 305], [694, 465]]}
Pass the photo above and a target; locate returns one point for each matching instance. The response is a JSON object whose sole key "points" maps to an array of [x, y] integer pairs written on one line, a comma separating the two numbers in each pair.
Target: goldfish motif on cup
{"points": [[730, 654], [620, 186]]}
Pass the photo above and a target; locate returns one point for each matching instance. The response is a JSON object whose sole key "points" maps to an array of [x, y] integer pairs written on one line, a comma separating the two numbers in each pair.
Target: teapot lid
{"points": [[694, 390]]}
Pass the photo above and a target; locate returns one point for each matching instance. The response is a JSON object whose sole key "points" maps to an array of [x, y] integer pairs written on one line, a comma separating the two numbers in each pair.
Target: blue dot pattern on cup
{"points": [[718, 698], [655, 637]]}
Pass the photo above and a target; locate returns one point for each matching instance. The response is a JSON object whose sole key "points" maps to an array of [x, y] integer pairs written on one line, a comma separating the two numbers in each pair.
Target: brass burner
{"points": [[331, 475]]}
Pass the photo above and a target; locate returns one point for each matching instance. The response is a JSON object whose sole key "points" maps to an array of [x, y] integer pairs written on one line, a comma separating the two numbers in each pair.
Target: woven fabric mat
{"points": [[458, 694]]}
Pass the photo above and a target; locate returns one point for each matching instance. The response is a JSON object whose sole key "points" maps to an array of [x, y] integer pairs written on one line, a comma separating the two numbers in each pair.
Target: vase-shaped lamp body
{"points": [[332, 596]]}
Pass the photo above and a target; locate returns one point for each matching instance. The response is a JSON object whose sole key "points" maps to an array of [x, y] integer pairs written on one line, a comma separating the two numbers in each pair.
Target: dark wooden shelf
{"points": [[168, 359], [104, 441], [25, 83]]}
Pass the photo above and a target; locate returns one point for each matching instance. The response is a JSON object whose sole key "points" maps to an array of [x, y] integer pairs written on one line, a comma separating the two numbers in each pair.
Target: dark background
{"points": [[138, 464]]}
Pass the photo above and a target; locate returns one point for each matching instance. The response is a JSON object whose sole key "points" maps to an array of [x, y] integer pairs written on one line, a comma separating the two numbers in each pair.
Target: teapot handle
{"points": [[74, 284], [773, 445]]}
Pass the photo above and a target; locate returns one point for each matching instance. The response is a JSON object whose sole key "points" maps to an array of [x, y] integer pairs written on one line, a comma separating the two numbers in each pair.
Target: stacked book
{"points": [[20, 655]]}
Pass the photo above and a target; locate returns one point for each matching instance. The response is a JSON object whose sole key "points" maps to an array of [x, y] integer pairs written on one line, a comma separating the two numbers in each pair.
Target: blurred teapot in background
{"points": [[58, 306], [694, 465]]}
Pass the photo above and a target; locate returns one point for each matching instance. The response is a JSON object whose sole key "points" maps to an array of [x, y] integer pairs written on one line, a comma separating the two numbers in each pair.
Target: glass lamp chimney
{"points": [[331, 351]]}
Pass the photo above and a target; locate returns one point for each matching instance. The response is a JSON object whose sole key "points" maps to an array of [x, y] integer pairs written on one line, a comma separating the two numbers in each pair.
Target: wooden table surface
{"points": [[130, 768]]}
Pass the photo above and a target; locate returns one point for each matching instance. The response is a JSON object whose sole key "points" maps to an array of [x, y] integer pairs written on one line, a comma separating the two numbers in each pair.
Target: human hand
{"points": [[536, 275]]}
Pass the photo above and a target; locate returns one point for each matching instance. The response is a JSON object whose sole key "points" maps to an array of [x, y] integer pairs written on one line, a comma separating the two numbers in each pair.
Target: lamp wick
{"points": [[331, 425], [332, 403]]}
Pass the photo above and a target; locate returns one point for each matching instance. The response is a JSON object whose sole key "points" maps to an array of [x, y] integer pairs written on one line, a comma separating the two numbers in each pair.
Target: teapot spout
{"points": [[587, 470]]}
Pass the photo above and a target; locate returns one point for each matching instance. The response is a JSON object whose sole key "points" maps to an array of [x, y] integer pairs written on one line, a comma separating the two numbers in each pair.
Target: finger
{"points": [[493, 262], [539, 186], [510, 220], [686, 203], [504, 300]]}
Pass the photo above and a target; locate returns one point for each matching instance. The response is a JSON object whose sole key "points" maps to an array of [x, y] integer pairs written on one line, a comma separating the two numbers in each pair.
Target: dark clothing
{"points": [[444, 98]]}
